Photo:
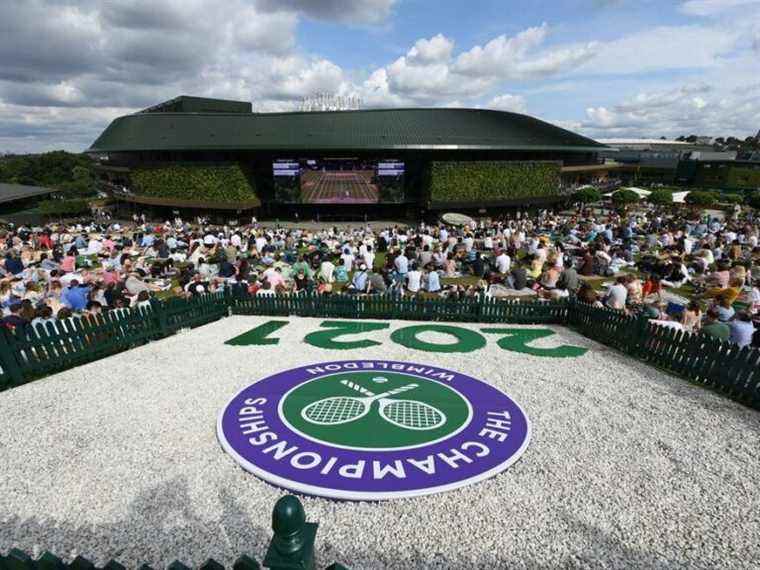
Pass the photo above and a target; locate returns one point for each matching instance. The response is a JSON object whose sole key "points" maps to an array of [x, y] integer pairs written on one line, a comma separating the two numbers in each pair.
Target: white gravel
{"points": [[627, 467]]}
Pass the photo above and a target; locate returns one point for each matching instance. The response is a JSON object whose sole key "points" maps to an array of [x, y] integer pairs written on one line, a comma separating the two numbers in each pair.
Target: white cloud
{"points": [[684, 110], [429, 74], [714, 7], [501, 51], [664, 48], [507, 102], [436, 49]]}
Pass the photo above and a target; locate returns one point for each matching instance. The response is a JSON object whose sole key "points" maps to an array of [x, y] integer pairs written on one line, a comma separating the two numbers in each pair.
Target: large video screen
{"points": [[338, 181]]}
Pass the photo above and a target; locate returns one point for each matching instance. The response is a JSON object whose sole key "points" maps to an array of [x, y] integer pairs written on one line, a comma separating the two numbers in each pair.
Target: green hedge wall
{"points": [[223, 183], [491, 181], [739, 177], [63, 207]]}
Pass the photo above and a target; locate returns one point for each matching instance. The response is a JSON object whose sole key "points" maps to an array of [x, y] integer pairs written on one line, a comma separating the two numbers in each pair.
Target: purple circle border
{"points": [[483, 398]]}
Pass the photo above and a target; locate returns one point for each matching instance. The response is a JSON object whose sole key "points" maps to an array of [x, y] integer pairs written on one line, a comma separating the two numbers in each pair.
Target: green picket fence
{"points": [[703, 360], [405, 308], [36, 352]]}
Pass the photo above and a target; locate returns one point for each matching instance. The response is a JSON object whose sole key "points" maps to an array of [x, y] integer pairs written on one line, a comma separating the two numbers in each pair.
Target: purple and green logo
{"points": [[372, 429]]}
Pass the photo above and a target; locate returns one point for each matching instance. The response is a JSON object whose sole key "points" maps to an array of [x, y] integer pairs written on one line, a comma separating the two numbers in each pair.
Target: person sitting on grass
{"points": [[301, 282], [652, 288], [413, 280], [518, 277], [727, 295], [15, 320], [586, 294], [617, 294], [75, 296], [714, 327], [432, 281], [358, 283], [376, 284], [266, 289], [691, 318], [742, 329], [196, 286]]}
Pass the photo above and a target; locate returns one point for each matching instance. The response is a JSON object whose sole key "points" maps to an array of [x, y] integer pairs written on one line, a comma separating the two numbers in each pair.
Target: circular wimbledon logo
{"points": [[372, 429]]}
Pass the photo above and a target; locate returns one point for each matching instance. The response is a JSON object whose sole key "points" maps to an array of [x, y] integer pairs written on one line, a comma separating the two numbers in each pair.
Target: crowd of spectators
{"points": [[694, 272]]}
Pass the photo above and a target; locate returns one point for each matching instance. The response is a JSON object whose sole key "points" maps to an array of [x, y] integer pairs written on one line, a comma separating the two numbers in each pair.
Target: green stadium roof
{"points": [[13, 192], [380, 129]]}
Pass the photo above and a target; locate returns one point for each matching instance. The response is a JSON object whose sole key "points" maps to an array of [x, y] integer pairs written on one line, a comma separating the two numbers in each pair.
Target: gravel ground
{"points": [[627, 467]]}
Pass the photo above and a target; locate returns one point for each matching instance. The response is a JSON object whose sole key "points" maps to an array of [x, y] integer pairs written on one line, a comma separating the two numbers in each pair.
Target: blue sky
{"points": [[606, 68]]}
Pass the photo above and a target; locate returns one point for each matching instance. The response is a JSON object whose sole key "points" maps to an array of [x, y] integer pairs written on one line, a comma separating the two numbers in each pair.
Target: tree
{"points": [[661, 197], [732, 198], [700, 198], [754, 200], [81, 185], [625, 197], [587, 195], [62, 170]]}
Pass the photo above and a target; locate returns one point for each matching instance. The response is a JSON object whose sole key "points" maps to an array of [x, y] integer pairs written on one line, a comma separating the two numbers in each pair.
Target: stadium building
{"points": [[197, 153]]}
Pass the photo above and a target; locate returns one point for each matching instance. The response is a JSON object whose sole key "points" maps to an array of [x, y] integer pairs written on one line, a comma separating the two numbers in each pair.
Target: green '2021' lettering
{"points": [[465, 340], [259, 335], [517, 341], [327, 339]]}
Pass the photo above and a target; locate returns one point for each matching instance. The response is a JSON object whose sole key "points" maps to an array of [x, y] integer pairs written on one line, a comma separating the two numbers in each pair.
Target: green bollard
{"points": [[292, 547]]}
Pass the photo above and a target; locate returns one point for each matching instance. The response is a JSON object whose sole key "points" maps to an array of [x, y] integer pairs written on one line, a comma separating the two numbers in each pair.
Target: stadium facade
{"points": [[206, 153]]}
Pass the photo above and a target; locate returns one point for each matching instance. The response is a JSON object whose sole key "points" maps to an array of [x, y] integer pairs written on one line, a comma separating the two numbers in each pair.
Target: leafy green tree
{"points": [[754, 200], [625, 197], [661, 197], [732, 198], [59, 169], [700, 198], [587, 195]]}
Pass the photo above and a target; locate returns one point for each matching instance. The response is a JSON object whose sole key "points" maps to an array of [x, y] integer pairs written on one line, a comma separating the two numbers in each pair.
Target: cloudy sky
{"points": [[606, 68]]}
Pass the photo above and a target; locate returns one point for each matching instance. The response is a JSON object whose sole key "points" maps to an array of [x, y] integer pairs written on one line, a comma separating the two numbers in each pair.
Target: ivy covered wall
{"points": [[744, 177], [726, 176], [217, 183], [492, 180]]}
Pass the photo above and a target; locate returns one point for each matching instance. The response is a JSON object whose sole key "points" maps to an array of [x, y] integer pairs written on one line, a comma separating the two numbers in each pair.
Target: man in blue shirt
{"points": [[742, 329], [75, 296], [13, 263], [359, 281]]}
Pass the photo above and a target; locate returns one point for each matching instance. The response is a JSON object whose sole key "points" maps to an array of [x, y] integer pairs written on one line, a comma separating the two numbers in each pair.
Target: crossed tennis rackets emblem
{"points": [[407, 414]]}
